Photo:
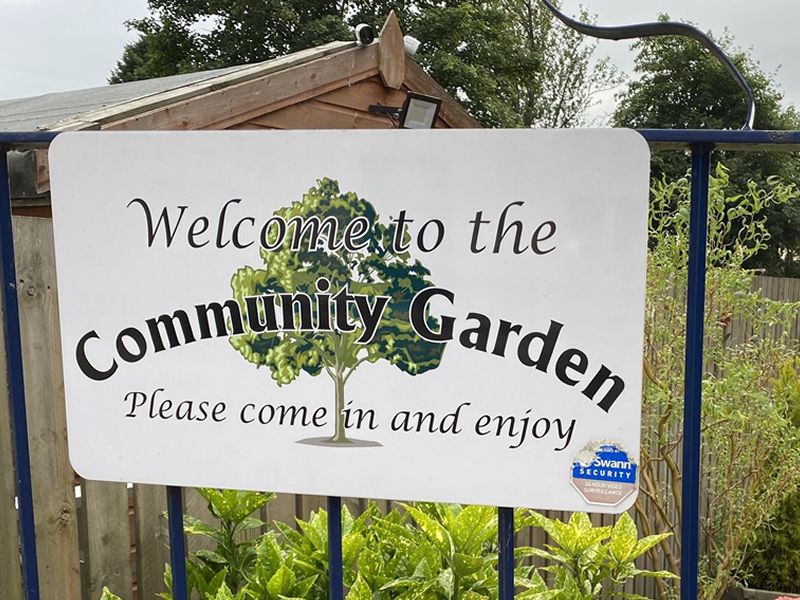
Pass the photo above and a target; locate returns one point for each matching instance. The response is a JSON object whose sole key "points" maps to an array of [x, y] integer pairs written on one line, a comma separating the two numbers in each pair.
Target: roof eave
{"points": [[100, 119]]}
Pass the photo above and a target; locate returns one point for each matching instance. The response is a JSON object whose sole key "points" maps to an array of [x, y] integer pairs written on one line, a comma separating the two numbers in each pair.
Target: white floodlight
{"points": [[419, 111]]}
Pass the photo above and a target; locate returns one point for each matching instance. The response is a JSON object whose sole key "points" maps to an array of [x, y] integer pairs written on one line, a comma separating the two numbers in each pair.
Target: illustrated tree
{"points": [[375, 271]]}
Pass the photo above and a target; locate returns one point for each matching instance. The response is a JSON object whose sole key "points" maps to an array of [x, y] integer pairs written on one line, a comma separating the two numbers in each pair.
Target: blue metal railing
{"points": [[335, 574], [177, 542], [700, 142], [16, 387]]}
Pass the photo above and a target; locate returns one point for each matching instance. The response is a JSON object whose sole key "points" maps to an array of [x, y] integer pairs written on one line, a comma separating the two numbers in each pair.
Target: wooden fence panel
{"points": [[152, 539], [197, 506], [283, 509], [108, 554], [355, 505], [10, 573], [308, 504], [52, 476]]}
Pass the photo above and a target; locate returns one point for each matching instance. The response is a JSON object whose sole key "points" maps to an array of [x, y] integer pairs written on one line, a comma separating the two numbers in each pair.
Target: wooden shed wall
{"points": [[343, 108]]}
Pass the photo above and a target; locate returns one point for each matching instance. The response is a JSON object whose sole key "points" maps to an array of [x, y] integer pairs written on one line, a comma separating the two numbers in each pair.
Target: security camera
{"points": [[411, 45], [365, 34]]}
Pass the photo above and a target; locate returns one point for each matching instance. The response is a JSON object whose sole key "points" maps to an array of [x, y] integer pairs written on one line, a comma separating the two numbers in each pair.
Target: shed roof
{"points": [[38, 112], [51, 111], [222, 98]]}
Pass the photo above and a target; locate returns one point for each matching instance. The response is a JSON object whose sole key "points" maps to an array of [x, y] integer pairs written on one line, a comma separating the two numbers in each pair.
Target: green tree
{"points": [[376, 271], [182, 36], [508, 61], [472, 50], [681, 86], [562, 87], [163, 49]]}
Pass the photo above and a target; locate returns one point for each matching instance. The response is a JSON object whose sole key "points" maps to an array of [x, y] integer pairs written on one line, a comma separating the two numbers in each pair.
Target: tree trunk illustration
{"points": [[339, 434]]}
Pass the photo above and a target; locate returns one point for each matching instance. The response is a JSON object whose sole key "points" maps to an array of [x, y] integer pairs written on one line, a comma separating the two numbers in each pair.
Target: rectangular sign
{"points": [[428, 315]]}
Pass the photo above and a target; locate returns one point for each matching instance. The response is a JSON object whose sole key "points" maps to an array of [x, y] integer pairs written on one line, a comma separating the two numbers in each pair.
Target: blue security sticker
{"points": [[604, 473]]}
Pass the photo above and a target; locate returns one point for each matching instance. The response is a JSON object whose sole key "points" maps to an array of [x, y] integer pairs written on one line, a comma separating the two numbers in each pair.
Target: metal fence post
{"points": [[16, 387], [505, 553], [177, 543], [695, 311], [335, 569]]}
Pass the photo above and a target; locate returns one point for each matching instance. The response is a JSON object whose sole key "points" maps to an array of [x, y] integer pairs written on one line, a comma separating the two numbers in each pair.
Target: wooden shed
{"points": [[91, 534], [327, 87]]}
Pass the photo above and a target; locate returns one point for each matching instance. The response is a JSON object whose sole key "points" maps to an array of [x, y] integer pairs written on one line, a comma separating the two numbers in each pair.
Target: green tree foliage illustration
{"points": [[374, 271]]}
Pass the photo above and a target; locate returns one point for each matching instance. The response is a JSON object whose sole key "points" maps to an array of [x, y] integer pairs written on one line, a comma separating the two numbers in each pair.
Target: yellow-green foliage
{"points": [[752, 457], [773, 561]]}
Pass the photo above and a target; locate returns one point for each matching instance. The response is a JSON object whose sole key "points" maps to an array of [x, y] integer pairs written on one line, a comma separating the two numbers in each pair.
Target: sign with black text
{"points": [[428, 315]]}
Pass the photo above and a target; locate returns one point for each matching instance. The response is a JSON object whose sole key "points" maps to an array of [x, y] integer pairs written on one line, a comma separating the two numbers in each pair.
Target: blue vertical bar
{"points": [[335, 575], [505, 553], [695, 310], [16, 388], [177, 543]]}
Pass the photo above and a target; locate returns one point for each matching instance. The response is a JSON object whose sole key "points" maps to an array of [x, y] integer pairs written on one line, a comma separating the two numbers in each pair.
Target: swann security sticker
{"points": [[604, 473]]}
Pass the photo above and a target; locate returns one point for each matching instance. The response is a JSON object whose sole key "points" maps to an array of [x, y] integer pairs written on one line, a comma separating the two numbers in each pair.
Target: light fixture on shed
{"points": [[419, 111]]}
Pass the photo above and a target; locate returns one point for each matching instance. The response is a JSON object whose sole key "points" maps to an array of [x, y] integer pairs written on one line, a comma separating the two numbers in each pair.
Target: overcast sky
{"points": [[56, 45]]}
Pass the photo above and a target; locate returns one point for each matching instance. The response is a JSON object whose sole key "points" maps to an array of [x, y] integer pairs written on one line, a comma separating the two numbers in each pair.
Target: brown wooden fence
{"points": [[92, 534]]}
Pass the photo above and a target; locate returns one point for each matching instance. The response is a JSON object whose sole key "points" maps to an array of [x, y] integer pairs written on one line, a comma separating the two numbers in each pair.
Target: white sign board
{"points": [[428, 315]]}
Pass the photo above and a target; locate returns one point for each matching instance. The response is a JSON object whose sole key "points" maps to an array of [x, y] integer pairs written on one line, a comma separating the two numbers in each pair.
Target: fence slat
{"points": [[10, 573], [108, 554], [152, 538], [282, 509], [197, 506], [52, 476], [355, 505], [308, 504]]}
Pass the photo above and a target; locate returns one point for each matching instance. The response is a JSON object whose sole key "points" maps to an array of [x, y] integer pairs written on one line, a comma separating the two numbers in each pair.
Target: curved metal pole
{"points": [[642, 30]]}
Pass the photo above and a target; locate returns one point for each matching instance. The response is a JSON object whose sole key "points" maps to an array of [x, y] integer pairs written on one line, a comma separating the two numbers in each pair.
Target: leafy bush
{"points": [[773, 561], [418, 551], [308, 546], [108, 595], [434, 551], [233, 559], [593, 562], [751, 447]]}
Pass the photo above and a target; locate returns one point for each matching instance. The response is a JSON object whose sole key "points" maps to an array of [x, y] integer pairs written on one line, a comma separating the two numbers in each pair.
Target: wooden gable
{"points": [[329, 87]]}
